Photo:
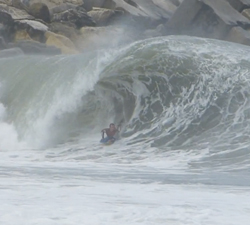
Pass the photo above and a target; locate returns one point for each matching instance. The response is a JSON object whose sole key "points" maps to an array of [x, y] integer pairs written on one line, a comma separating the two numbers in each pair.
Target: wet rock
{"points": [[61, 42], [32, 47], [13, 52], [103, 17], [206, 18], [40, 11], [77, 16], [239, 35]]}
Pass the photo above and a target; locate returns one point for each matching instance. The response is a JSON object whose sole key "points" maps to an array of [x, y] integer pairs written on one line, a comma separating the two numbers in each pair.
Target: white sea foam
{"points": [[8, 135], [49, 195]]}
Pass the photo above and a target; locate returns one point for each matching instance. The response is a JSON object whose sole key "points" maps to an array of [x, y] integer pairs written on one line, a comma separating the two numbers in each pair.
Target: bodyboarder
{"points": [[110, 133]]}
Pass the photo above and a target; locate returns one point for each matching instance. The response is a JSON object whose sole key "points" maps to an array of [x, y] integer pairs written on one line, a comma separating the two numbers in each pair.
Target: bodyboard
{"points": [[108, 143]]}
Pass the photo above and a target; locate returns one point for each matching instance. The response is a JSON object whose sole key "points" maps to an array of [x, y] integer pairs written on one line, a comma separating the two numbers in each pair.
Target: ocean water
{"points": [[183, 155]]}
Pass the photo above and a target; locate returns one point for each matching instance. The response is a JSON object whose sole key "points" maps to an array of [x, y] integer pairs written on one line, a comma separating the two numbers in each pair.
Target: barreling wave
{"points": [[168, 91], [182, 91]]}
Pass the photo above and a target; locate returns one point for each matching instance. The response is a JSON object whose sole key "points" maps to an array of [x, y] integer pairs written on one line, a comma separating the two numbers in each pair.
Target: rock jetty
{"points": [[52, 27]]}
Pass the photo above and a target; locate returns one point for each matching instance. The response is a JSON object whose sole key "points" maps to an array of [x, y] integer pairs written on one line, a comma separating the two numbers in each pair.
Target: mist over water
{"points": [[184, 103]]}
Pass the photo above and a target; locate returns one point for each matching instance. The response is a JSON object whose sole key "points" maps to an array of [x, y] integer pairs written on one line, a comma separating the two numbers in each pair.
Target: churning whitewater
{"points": [[183, 156]]}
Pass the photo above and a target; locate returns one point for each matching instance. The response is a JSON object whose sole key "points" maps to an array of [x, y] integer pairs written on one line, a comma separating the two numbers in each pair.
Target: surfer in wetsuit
{"points": [[110, 132]]}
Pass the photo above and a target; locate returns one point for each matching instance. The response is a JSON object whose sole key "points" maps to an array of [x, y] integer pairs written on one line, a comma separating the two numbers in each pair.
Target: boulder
{"points": [[31, 24], [239, 5], [64, 29], [156, 9], [61, 42], [77, 16], [150, 9], [239, 35], [104, 17], [89, 4], [22, 35], [62, 8], [53, 3], [12, 52], [167, 6], [9, 14], [142, 14], [92, 38], [206, 18], [246, 13], [20, 4], [32, 47], [184, 15], [226, 12], [35, 29], [17, 19], [128, 8], [6, 2], [40, 11]]}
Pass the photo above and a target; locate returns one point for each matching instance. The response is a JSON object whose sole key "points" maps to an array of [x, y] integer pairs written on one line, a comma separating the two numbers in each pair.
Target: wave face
{"points": [[171, 92]]}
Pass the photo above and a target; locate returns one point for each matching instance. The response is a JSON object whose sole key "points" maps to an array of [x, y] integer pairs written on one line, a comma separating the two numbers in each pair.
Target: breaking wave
{"points": [[169, 92]]}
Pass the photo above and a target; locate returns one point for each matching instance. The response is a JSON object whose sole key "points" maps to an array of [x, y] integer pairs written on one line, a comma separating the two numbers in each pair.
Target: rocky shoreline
{"points": [[52, 27]]}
